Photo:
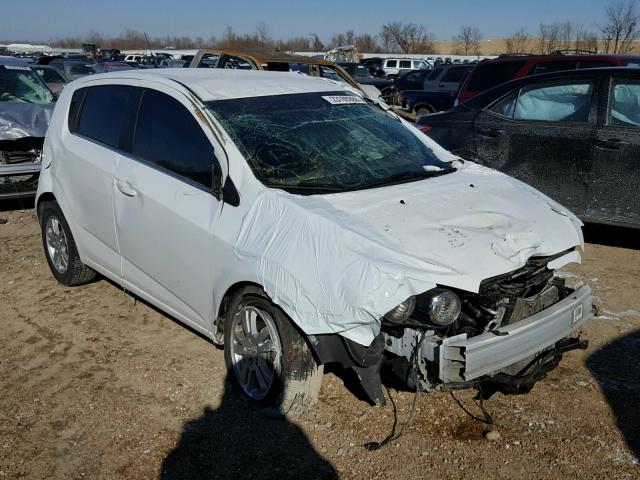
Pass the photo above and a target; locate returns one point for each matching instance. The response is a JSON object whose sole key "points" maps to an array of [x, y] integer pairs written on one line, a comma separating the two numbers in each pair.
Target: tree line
{"points": [[616, 34]]}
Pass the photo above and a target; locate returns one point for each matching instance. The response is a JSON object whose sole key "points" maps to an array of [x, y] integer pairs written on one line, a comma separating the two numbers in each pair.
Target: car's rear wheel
{"points": [[60, 247], [268, 360]]}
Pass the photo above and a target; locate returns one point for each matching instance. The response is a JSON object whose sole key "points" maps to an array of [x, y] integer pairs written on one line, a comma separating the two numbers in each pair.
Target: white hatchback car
{"points": [[299, 224]]}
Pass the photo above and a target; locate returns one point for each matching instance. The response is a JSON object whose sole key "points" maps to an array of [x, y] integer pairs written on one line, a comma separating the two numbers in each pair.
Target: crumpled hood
{"points": [[337, 263], [18, 120]]}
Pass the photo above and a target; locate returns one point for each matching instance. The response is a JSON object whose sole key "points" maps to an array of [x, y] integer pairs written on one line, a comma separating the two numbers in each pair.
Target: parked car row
{"points": [[290, 212]]}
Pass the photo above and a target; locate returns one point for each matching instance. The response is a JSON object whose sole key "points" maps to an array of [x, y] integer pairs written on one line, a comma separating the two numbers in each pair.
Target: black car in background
{"points": [[574, 135], [413, 80], [362, 75]]}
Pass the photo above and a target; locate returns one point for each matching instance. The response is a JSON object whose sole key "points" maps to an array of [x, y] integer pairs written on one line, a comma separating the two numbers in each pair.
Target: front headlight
{"points": [[444, 307], [402, 312]]}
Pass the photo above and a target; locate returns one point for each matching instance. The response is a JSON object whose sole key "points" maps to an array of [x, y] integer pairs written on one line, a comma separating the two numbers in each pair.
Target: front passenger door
{"points": [[166, 216], [542, 135]]}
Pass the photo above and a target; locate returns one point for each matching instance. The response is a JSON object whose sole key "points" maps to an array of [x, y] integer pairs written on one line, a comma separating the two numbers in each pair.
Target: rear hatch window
{"points": [[490, 75]]}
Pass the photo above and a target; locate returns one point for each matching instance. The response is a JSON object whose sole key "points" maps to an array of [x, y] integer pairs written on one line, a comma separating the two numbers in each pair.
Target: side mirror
{"points": [[216, 179]]}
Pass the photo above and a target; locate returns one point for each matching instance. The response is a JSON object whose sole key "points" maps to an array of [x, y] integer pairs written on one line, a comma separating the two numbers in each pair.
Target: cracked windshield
{"points": [[324, 141]]}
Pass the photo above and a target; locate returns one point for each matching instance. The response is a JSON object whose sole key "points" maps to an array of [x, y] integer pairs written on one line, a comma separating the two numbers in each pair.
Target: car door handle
{"points": [[126, 188], [490, 132], [610, 143]]}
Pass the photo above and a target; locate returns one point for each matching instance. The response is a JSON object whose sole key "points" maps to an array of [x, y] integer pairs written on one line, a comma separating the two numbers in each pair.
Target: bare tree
{"points": [[406, 37], [585, 40], [468, 41], [621, 27], [264, 34], [566, 35], [549, 37], [519, 42], [367, 43], [316, 43]]}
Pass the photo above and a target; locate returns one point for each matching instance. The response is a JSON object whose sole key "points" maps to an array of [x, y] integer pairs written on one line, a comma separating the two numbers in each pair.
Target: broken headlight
{"points": [[402, 312], [443, 306]]}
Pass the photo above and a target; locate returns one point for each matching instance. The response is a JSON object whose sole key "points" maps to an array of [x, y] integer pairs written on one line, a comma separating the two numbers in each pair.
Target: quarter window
{"points": [[167, 135], [546, 67], [624, 107], [104, 112], [391, 64]]}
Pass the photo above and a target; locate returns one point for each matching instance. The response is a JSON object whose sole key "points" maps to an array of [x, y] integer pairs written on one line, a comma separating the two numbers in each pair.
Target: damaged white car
{"points": [[299, 224]]}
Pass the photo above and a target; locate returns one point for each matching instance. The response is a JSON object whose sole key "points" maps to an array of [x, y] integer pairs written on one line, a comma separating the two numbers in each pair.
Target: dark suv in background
{"points": [[491, 73]]}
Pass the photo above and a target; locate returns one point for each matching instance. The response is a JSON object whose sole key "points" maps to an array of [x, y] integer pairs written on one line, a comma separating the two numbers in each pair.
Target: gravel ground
{"points": [[96, 385]]}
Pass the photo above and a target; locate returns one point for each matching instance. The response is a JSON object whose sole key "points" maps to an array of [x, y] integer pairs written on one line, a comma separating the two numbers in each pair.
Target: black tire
{"points": [[294, 389], [424, 110], [76, 272]]}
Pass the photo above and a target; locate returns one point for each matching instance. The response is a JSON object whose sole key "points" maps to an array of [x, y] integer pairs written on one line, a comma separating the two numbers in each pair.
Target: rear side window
{"points": [[593, 64], [167, 135], [624, 106], [405, 63], [455, 74], [490, 75], [546, 67], [105, 112]]}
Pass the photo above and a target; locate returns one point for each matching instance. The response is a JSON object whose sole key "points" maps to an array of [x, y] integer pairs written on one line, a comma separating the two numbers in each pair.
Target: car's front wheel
{"points": [[60, 247], [268, 360]]}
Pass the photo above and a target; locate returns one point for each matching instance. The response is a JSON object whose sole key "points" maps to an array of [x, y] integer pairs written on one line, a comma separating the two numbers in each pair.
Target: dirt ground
{"points": [[96, 385]]}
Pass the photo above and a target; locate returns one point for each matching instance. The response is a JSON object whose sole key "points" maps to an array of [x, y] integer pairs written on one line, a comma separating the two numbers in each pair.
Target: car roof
{"points": [[556, 57], [486, 97], [221, 84]]}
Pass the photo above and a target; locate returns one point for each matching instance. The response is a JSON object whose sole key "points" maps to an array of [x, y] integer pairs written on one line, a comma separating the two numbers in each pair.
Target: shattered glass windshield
{"points": [[21, 84], [334, 140]]}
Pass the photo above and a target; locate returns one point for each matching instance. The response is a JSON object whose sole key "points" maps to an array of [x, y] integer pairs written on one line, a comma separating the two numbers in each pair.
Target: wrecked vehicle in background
{"points": [[277, 62], [299, 224], [26, 105]]}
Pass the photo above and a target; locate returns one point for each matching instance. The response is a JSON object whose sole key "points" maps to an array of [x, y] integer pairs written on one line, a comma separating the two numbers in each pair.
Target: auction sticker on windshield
{"points": [[343, 99]]}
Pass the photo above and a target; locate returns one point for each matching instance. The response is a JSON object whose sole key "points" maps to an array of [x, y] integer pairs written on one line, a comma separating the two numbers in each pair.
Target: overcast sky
{"points": [[41, 20]]}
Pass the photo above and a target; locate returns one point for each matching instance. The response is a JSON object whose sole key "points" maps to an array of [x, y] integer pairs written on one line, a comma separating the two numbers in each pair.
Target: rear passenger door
{"points": [[614, 195], [98, 117], [542, 134], [165, 214]]}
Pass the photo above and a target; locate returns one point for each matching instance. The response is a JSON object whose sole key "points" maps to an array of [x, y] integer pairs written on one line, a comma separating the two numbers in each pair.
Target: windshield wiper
{"points": [[400, 178], [308, 188]]}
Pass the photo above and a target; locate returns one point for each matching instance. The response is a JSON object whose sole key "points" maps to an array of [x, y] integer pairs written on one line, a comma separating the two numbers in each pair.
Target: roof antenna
{"points": [[151, 51]]}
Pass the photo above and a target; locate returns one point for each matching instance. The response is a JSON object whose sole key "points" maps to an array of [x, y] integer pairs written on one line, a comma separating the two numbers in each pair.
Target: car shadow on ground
{"points": [[616, 367], [16, 204], [612, 236], [235, 442]]}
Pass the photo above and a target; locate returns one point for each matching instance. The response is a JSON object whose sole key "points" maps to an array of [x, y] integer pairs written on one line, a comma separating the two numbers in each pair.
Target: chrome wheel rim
{"points": [[256, 351], [57, 245]]}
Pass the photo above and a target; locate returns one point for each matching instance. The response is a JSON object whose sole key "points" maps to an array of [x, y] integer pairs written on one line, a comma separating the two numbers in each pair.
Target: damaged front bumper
{"points": [[461, 359], [20, 162]]}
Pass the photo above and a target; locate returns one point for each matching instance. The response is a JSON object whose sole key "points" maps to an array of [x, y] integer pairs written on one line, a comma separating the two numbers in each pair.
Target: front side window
{"points": [[167, 135], [21, 84], [420, 65], [323, 140], [433, 75], [104, 112], [555, 103], [624, 105]]}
